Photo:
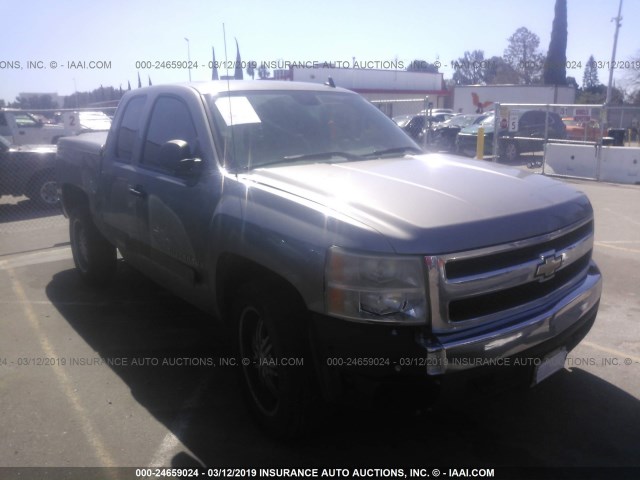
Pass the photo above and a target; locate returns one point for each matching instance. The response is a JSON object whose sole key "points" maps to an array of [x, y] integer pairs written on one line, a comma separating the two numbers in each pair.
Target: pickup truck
{"points": [[338, 255], [28, 170], [23, 128]]}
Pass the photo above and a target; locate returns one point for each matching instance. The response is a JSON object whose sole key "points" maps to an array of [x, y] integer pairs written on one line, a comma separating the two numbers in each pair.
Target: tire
{"points": [[94, 257], [510, 152], [44, 190], [268, 327]]}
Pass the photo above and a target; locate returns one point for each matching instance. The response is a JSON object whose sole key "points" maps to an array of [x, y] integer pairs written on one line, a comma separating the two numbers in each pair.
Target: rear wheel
{"points": [[94, 257], [510, 151], [270, 345]]}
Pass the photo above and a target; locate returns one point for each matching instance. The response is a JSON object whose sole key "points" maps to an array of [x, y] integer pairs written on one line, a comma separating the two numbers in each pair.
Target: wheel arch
{"points": [[73, 199], [233, 271]]}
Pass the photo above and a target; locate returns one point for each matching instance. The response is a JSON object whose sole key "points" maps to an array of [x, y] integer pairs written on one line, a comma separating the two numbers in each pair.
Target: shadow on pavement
{"points": [[26, 210], [573, 419]]}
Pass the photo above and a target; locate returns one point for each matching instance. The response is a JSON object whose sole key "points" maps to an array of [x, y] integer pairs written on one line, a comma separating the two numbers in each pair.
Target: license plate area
{"points": [[549, 365]]}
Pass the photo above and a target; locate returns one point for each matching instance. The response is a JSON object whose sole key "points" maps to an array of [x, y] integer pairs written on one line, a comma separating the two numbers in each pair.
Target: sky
{"points": [[120, 33]]}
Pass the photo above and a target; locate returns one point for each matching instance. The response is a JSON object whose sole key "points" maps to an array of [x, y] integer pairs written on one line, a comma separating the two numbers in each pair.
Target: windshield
{"points": [[260, 128], [464, 120], [490, 120]]}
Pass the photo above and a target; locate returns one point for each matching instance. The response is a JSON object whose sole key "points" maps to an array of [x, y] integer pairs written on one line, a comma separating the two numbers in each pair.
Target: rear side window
{"points": [[129, 129], [170, 120]]}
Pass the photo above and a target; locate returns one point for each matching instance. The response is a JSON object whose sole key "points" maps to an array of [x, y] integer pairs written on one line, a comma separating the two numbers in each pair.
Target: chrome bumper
{"points": [[492, 347]]}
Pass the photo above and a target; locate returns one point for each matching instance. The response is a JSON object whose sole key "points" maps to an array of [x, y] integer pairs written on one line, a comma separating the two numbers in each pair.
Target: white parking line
{"points": [[612, 351], [35, 258], [623, 216], [92, 436], [165, 452], [616, 247]]}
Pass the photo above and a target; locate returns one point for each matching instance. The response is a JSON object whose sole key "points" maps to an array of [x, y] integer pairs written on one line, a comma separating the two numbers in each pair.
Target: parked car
{"points": [[529, 137], [336, 255], [28, 170], [583, 130], [443, 134], [416, 125]]}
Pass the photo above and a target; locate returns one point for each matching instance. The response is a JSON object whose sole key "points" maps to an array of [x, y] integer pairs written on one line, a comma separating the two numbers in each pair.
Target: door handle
{"points": [[137, 191]]}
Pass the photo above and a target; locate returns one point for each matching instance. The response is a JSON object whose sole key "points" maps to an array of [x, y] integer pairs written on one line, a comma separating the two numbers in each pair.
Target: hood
{"points": [[435, 203]]}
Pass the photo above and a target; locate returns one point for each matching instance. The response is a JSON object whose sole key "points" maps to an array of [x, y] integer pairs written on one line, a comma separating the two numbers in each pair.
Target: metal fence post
{"points": [[496, 125]]}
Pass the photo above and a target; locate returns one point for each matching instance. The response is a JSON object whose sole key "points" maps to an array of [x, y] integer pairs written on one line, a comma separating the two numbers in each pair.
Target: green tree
{"points": [[555, 65], [36, 102], [590, 77], [263, 71], [252, 65], [499, 72], [470, 69], [522, 55]]}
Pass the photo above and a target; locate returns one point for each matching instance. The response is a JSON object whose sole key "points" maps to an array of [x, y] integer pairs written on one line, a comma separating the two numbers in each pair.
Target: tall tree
{"points": [[252, 66], [499, 72], [469, 69], [555, 65], [523, 56], [590, 77], [263, 71], [238, 71]]}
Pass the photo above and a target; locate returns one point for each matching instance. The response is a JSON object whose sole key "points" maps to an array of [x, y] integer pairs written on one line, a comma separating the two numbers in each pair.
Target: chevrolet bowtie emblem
{"points": [[549, 266]]}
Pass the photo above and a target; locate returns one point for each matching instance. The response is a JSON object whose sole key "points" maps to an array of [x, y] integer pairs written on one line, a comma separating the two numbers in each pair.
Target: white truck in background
{"points": [[481, 98], [20, 127]]}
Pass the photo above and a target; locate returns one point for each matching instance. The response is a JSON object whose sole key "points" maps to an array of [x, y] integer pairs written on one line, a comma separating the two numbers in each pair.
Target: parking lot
{"points": [[107, 378]]}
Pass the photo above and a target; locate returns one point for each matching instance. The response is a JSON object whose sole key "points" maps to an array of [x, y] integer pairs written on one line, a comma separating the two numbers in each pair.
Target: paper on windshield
{"points": [[236, 110]]}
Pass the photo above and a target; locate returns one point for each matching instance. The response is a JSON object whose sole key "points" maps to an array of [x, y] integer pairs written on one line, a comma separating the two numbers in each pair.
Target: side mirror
{"points": [[175, 156]]}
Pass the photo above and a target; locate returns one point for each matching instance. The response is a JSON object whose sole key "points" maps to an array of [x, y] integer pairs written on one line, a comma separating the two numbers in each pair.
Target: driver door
{"points": [[175, 206]]}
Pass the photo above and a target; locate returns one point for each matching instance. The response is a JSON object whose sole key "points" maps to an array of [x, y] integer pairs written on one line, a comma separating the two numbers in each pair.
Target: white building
{"points": [[396, 92]]}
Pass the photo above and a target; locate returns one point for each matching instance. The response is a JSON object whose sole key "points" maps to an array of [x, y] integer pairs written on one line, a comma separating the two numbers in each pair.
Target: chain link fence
{"points": [[29, 204]]}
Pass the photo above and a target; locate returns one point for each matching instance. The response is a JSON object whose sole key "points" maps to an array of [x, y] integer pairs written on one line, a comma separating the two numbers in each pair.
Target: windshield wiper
{"points": [[304, 156], [389, 151], [322, 156]]}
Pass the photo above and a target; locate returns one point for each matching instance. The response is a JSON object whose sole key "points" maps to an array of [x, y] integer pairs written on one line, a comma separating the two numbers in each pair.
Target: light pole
{"points": [[188, 57]]}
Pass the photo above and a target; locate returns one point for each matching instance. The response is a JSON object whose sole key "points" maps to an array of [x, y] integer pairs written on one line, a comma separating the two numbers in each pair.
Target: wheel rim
{"points": [[511, 151], [258, 361], [82, 246], [49, 192]]}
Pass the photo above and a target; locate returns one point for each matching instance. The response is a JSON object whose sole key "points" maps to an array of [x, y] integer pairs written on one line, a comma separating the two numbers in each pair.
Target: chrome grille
{"points": [[507, 281]]}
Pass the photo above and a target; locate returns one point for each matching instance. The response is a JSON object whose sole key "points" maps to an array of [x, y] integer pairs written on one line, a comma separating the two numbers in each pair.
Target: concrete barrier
{"points": [[620, 165], [616, 164], [571, 160]]}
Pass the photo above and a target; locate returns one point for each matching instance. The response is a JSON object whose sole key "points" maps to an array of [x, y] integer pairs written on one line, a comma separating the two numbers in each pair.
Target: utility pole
{"points": [[617, 19], [188, 57]]}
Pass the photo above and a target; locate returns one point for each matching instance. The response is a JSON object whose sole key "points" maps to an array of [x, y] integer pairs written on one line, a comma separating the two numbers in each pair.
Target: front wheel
{"points": [[270, 346], [94, 257], [44, 190]]}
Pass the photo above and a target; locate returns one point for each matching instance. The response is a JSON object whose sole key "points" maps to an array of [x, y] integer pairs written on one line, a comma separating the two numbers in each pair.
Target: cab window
{"points": [[170, 120], [128, 131]]}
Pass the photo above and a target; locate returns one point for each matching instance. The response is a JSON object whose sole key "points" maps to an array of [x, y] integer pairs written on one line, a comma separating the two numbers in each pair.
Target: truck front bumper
{"points": [[450, 354]]}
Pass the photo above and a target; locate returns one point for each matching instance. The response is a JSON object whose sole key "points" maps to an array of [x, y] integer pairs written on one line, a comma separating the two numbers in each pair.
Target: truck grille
{"points": [[507, 281]]}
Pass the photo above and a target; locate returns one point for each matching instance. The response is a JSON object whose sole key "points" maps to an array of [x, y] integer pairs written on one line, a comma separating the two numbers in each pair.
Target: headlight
{"points": [[375, 288]]}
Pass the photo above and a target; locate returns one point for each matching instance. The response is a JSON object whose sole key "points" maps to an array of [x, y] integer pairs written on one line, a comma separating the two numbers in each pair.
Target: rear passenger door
{"points": [[120, 201], [177, 206]]}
